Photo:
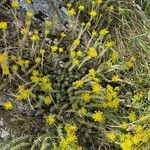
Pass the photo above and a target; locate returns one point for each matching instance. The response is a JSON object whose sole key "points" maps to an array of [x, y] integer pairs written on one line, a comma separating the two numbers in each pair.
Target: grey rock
{"points": [[4, 133], [48, 10]]}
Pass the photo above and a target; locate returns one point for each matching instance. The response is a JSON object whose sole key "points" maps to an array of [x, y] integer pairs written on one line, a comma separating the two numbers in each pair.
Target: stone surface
{"points": [[48, 10]]}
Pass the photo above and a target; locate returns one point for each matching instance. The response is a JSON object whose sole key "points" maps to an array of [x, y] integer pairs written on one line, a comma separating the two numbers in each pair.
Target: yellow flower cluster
{"points": [[76, 42], [50, 119], [3, 58], [8, 105], [72, 12], [48, 100], [129, 141], [92, 53], [45, 84], [28, 1], [114, 56], [111, 98], [5, 69], [70, 141], [34, 37], [99, 117], [35, 76], [93, 13], [82, 111], [86, 97], [111, 136], [132, 116], [78, 83], [23, 93], [138, 96], [71, 128], [3, 25], [96, 88], [103, 32], [15, 4], [129, 64]]}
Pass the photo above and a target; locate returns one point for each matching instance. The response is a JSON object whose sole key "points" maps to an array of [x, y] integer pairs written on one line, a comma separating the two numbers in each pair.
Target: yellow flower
{"points": [[128, 65], [92, 52], [28, 1], [24, 31], [75, 62], [96, 88], [72, 12], [63, 34], [115, 78], [64, 144], [38, 60], [48, 23], [92, 73], [8, 105], [111, 136], [76, 42], [35, 79], [34, 38], [3, 57], [93, 13], [138, 96], [14, 4], [20, 61], [109, 63], [45, 79], [46, 31], [35, 73], [71, 138], [83, 24], [28, 23], [46, 86], [109, 44], [99, 1], [79, 53], [29, 14], [48, 100], [71, 128], [138, 128], [13, 57], [26, 63], [69, 5], [60, 50], [103, 32], [94, 33], [42, 51], [54, 48], [133, 59], [127, 145], [86, 97], [111, 7], [81, 7], [82, 111], [3, 25], [24, 94], [72, 53], [98, 117], [124, 125], [78, 84], [132, 116], [14, 68], [50, 119], [114, 56], [88, 24], [5, 69]]}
